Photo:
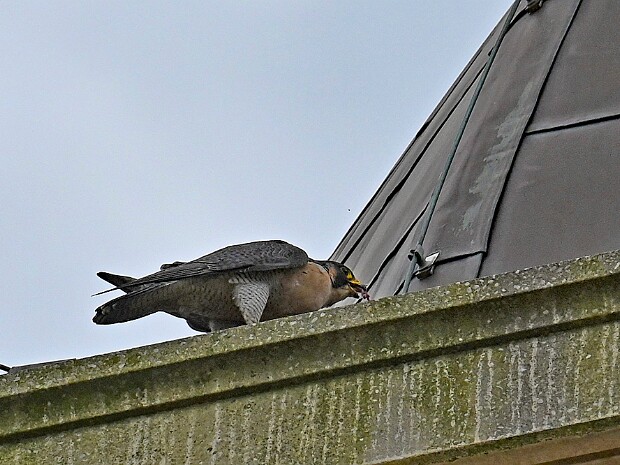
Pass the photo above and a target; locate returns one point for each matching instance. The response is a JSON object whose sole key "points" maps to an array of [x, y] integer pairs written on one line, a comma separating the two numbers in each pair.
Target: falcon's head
{"points": [[344, 282]]}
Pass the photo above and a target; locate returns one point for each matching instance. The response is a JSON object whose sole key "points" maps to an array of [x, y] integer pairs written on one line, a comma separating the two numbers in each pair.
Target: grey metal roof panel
{"points": [[497, 236], [585, 80], [563, 196], [465, 211]]}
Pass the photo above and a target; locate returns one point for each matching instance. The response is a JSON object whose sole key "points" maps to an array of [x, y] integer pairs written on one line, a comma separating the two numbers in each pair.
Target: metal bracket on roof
{"points": [[533, 5], [425, 266]]}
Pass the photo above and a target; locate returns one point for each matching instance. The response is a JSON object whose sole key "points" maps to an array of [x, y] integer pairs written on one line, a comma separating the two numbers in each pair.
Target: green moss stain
{"points": [[495, 359]]}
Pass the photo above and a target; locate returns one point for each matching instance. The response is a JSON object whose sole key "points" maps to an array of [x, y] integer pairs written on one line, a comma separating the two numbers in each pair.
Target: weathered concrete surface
{"points": [[495, 364]]}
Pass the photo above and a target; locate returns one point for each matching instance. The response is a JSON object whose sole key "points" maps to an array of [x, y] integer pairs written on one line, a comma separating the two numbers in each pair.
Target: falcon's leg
{"points": [[250, 295]]}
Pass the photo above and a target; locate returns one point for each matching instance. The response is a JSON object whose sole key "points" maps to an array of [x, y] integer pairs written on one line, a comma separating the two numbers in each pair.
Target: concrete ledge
{"points": [[454, 370]]}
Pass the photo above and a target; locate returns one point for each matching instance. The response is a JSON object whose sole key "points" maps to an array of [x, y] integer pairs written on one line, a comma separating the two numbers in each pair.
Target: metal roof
{"points": [[535, 177]]}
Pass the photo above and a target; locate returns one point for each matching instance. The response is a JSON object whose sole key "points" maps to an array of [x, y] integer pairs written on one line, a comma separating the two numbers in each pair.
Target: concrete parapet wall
{"points": [[472, 368]]}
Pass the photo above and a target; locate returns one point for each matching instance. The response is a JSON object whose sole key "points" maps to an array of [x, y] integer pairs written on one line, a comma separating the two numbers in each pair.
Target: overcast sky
{"points": [[138, 133]]}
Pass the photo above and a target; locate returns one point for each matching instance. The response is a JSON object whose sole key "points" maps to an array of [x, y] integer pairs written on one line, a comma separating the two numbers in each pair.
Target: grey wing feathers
{"points": [[252, 256], [165, 266]]}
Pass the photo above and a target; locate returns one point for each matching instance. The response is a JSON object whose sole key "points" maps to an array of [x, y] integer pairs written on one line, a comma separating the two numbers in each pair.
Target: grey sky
{"points": [[138, 133]]}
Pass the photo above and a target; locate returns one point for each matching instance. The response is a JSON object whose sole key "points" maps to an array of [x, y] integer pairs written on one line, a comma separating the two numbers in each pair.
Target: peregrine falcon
{"points": [[244, 283]]}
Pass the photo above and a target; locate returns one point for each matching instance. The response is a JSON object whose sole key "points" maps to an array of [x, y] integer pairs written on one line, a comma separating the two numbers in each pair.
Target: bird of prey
{"points": [[244, 283]]}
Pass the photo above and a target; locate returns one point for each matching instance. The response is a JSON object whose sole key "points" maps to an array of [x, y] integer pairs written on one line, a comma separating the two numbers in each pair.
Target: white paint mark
{"points": [[415, 427], [577, 375], [271, 425], [102, 439], [451, 398], [515, 413], [554, 312], [401, 408], [163, 437], [281, 418], [467, 375], [551, 388], [437, 394], [562, 402], [615, 369], [376, 394], [134, 445], [520, 371], [247, 441], [148, 452], [230, 433], [387, 413], [329, 424], [308, 438], [189, 443], [358, 407], [604, 367], [489, 387], [303, 437], [532, 382], [478, 406], [217, 433], [340, 416], [71, 451]]}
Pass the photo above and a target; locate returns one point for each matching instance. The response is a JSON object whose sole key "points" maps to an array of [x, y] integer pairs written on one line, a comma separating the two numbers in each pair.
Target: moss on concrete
{"points": [[413, 377]]}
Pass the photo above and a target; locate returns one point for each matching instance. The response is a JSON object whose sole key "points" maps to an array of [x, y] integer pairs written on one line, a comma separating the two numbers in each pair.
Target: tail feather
{"points": [[131, 306], [121, 282], [115, 279]]}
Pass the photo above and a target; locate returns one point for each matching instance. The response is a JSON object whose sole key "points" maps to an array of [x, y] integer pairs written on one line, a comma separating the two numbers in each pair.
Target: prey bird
{"points": [[239, 284]]}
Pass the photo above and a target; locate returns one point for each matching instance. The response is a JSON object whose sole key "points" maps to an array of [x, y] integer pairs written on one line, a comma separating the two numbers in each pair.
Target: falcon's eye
{"points": [[347, 272]]}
